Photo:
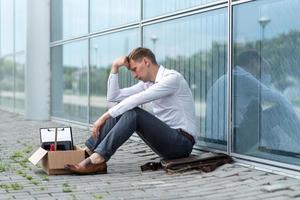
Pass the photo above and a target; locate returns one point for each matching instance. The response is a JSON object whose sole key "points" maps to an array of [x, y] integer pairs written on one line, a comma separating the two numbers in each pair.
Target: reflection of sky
{"points": [[188, 35], [107, 14], [74, 19], [284, 16], [20, 21], [76, 54], [154, 8], [106, 47], [6, 10], [109, 47]]}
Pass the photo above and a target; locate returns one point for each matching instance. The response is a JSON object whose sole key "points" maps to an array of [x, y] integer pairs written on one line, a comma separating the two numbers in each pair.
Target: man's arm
{"points": [[168, 86], [99, 124], [114, 93]]}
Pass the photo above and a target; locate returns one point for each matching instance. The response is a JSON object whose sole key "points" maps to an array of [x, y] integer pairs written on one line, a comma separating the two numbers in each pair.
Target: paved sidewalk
{"points": [[19, 179]]}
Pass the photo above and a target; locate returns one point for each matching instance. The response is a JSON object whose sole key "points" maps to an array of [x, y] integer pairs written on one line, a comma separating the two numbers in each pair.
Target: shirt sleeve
{"points": [[167, 86], [115, 94]]}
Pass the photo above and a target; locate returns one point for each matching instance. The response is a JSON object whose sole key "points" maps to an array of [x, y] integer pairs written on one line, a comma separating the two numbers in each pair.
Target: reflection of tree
{"points": [[6, 74], [204, 67]]}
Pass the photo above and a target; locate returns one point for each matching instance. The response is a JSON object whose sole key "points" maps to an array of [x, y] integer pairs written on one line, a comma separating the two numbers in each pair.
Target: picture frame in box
{"points": [[61, 137]]}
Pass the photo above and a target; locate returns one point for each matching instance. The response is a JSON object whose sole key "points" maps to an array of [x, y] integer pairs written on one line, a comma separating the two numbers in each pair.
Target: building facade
{"points": [[241, 59]]}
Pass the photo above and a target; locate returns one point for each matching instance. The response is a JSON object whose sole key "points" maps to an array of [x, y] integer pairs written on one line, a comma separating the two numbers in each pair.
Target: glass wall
{"points": [[154, 8], [192, 38], [266, 80], [12, 54], [69, 18], [7, 27], [7, 83], [196, 47], [103, 51], [20, 82], [122, 12], [69, 90]]}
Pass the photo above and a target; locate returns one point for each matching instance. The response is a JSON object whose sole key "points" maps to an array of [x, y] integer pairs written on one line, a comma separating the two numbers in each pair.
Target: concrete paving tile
{"points": [[125, 180]]}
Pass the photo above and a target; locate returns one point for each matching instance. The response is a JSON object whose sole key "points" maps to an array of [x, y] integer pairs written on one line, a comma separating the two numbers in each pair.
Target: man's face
{"points": [[140, 69]]}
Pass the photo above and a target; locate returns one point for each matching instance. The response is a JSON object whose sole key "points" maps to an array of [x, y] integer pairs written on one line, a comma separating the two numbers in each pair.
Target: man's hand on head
{"points": [[119, 62]]}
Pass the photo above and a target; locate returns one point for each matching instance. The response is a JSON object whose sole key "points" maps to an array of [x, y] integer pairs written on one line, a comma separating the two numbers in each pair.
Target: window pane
{"points": [[69, 81], [20, 24], [110, 13], [20, 83], [7, 27], [196, 47], [69, 18], [152, 8], [7, 83], [266, 80], [104, 50]]}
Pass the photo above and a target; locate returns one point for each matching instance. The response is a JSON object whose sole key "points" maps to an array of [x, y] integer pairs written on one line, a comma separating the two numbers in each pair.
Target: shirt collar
{"points": [[159, 74]]}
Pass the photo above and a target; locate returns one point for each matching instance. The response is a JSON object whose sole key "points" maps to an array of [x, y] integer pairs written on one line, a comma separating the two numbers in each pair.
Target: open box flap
{"points": [[37, 155]]}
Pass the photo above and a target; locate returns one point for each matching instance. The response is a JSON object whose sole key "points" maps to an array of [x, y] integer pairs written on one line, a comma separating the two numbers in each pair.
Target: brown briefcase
{"points": [[205, 162]]}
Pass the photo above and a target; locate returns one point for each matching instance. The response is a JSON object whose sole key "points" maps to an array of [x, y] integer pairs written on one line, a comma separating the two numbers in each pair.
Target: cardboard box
{"points": [[53, 162]]}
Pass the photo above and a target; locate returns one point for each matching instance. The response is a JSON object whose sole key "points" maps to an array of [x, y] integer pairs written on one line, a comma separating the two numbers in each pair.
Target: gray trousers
{"points": [[166, 142]]}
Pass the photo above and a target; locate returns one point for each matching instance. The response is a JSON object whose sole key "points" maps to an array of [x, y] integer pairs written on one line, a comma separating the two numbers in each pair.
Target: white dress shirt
{"points": [[170, 96]]}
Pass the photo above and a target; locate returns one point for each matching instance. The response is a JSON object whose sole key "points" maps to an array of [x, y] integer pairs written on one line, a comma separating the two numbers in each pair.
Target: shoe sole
{"points": [[91, 173]]}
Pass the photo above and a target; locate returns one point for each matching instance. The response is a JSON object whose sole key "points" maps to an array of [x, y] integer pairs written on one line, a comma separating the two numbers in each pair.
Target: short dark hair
{"points": [[245, 58], [139, 53]]}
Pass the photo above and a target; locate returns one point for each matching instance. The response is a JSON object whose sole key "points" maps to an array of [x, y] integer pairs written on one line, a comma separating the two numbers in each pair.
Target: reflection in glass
{"points": [[69, 18], [6, 27], [7, 83], [103, 51], [69, 81], [106, 14], [266, 80], [20, 25], [153, 8], [196, 47], [19, 83]]}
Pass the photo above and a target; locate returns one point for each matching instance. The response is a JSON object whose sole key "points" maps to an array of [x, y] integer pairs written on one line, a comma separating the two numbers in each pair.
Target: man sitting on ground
{"points": [[170, 132]]}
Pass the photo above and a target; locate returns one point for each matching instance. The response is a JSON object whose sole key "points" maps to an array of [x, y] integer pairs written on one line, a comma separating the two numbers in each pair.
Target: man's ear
{"points": [[146, 61]]}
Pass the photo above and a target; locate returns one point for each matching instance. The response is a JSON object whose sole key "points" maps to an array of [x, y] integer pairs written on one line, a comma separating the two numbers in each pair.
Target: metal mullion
{"points": [[91, 35], [267, 162], [267, 168], [89, 64], [69, 122], [168, 18], [240, 2], [89, 16], [187, 11], [88, 82], [140, 24], [209, 149], [14, 56], [229, 82], [0, 46]]}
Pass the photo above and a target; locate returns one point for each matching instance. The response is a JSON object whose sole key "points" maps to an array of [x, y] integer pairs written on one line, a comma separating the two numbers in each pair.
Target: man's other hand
{"points": [[119, 62], [97, 126]]}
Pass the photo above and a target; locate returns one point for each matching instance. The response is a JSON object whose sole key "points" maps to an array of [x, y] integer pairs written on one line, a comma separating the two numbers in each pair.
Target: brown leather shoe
{"points": [[87, 167]]}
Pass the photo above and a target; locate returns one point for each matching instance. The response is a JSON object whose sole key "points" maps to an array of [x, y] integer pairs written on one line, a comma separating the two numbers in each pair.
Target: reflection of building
{"points": [[191, 40]]}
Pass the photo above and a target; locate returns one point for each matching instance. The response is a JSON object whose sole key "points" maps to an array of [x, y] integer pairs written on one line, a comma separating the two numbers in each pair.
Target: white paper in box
{"points": [[63, 134]]}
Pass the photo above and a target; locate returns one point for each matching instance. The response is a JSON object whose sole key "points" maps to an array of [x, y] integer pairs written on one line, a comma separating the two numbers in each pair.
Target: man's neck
{"points": [[155, 69]]}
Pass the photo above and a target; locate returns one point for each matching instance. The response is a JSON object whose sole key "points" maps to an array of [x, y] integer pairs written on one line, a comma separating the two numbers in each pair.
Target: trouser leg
{"points": [[91, 143], [162, 139]]}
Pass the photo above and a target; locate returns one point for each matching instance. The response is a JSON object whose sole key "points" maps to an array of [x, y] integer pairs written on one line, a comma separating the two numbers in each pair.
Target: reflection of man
{"points": [[258, 108], [170, 133]]}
